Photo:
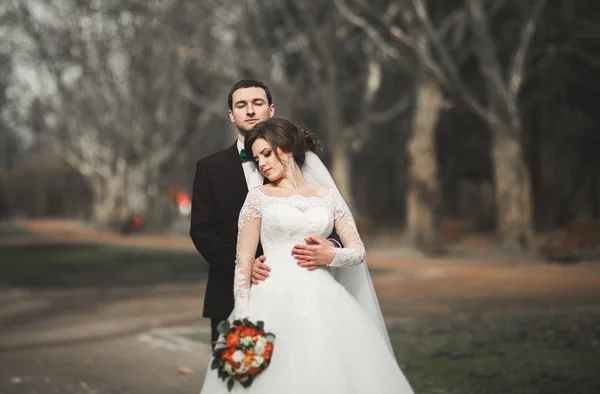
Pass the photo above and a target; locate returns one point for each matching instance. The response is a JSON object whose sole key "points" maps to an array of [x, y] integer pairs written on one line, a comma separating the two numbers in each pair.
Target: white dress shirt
{"points": [[253, 176]]}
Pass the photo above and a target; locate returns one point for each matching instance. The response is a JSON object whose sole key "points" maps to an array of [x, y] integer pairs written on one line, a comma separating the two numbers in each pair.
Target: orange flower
{"points": [[233, 341], [228, 355], [268, 350], [249, 332], [238, 330]]}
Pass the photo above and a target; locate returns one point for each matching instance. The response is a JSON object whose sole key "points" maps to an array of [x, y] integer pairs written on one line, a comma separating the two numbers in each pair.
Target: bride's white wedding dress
{"points": [[325, 341]]}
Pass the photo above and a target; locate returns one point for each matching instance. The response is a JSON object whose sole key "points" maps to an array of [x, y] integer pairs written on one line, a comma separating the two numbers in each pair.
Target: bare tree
{"points": [[13, 137], [122, 110], [318, 62], [432, 46], [423, 195]]}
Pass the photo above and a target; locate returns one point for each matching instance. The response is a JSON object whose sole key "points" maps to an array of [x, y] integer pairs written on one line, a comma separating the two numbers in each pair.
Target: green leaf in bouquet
{"points": [[220, 348], [261, 325], [223, 327], [270, 337], [215, 364], [248, 323], [247, 382], [229, 384]]}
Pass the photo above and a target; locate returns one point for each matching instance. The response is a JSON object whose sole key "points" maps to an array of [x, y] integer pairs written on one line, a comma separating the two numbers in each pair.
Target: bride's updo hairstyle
{"points": [[288, 136]]}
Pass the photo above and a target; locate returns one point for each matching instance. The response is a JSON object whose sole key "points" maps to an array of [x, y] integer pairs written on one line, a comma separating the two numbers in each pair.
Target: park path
{"points": [[106, 341], [409, 283]]}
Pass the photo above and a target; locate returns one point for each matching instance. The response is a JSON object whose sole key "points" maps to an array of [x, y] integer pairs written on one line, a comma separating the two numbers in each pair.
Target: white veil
{"points": [[356, 279]]}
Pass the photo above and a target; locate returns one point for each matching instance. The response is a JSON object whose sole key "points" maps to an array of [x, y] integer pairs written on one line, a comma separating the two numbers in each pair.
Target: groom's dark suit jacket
{"points": [[219, 192]]}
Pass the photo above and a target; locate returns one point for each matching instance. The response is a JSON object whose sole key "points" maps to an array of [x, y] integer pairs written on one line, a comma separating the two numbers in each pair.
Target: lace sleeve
{"points": [[248, 236], [353, 252]]}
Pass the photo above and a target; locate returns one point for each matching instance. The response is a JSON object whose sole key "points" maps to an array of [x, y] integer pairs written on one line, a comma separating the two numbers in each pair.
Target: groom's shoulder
{"points": [[214, 158]]}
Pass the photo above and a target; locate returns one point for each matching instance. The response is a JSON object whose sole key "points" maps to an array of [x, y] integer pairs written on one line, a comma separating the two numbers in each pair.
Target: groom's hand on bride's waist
{"points": [[317, 251], [260, 271]]}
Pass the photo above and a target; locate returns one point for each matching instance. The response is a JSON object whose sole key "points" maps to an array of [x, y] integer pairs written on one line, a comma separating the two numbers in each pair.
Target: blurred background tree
{"points": [[461, 116]]}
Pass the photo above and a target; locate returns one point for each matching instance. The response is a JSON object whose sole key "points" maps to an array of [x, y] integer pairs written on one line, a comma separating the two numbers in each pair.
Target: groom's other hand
{"points": [[317, 251], [260, 271]]}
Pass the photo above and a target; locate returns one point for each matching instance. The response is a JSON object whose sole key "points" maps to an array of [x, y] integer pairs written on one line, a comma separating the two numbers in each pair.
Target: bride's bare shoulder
{"points": [[264, 188], [316, 191], [322, 191]]}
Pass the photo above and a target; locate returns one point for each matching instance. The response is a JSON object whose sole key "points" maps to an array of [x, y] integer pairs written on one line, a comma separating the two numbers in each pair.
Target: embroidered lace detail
{"points": [[249, 224], [298, 201], [251, 208], [353, 252], [281, 222]]}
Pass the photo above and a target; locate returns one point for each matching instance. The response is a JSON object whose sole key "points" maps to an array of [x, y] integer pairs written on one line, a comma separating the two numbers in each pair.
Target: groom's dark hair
{"points": [[248, 83]]}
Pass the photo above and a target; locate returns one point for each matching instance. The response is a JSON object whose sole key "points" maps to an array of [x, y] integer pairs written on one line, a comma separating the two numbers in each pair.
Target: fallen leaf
{"points": [[185, 371]]}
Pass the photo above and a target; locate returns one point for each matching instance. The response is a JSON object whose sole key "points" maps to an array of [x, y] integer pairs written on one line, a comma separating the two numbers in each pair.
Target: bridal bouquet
{"points": [[244, 353]]}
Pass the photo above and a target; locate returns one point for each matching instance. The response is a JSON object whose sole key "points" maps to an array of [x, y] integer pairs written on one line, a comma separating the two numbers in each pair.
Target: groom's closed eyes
{"points": [[257, 102]]}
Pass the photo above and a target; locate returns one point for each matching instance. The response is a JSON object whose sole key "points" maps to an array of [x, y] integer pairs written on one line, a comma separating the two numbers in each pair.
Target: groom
{"points": [[221, 183]]}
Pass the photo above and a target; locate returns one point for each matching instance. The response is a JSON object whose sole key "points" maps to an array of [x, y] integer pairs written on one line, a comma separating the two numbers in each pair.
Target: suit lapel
{"points": [[234, 168]]}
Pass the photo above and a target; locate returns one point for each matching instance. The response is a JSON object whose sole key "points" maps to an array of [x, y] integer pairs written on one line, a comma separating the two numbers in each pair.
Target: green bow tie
{"points": [[243, 156]]}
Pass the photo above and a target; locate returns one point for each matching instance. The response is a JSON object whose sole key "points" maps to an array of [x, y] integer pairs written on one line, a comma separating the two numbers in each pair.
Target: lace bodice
{"points": [[280, 222]]}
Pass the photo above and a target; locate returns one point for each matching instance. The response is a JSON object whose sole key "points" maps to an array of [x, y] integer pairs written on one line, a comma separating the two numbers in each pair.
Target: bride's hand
{"points": [[318, 251]]}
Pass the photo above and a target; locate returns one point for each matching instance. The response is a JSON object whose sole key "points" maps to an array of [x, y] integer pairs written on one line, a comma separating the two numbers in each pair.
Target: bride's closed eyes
{"points": [[265, 153]]}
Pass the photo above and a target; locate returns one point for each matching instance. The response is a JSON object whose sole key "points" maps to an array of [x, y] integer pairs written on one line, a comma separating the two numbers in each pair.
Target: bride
{"points": [[331, 337]]}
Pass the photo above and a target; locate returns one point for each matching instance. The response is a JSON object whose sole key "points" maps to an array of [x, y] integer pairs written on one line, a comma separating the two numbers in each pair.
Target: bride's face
{"points": [[268, 161]]}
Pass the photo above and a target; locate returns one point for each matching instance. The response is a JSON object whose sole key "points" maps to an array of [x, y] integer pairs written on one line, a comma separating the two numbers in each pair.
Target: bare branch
{"points": [[453, 77], [201, 67], [372, 32], [390, 113], [496, 6], [372, 82], [455, 20], [449, 76], [314, 34], [391, 12], [308, 57], [490, 66], [515, 75]]}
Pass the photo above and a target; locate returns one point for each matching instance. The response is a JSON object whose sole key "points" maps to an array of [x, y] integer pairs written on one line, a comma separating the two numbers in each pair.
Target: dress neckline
{"points": [[296, 195]]}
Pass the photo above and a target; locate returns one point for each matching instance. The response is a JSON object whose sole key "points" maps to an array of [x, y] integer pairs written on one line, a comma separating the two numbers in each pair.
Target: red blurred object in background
{"points": [[182, 198], [134, 223], [137, 221]]}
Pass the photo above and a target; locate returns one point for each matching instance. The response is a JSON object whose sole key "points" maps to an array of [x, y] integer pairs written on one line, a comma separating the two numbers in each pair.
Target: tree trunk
{"points": [[105, 202], [137, 189], [341, 172], [513, 194], [422, 198], [340, 161], [109, 196], [40, 206], [595, 194]]}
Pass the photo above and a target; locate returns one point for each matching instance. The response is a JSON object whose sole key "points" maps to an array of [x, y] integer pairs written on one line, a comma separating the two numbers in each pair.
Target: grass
{"points": [[11, 228], [72, 265], [528, 353], [548, 353]]}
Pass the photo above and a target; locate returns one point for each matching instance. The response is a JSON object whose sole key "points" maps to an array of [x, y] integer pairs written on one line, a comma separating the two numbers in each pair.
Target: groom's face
{"points": [[249, 107]]}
